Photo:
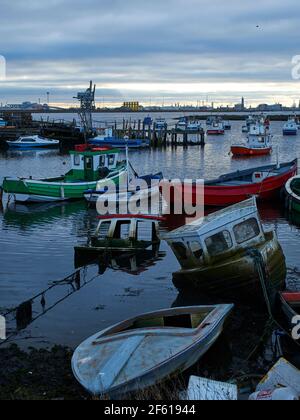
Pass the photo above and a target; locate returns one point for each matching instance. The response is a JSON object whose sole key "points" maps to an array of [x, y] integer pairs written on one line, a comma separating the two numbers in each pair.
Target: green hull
{"points": [[27, 190], [293, 195]]}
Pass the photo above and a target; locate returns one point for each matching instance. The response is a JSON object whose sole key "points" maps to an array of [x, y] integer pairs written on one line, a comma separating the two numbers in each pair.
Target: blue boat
{"points": [[107, 139], [2, 123]]}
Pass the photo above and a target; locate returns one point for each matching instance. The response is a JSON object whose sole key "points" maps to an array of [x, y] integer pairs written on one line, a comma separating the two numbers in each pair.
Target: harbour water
{"points": [[37, 241]]}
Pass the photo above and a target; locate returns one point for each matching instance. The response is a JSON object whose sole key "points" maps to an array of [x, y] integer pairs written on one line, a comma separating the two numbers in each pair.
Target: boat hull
{"points": [[36, 191], [292, 201], [223, 195], [215, 132], [290, 132], [120, 143], [197, 344], [24, 146], [247, 151], [289, 313], [238, 275]]}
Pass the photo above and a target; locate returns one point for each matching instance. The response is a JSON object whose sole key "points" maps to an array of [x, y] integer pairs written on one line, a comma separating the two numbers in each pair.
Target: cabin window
{"points": [[180, 250], [77, 160], [28, 140], [196, 249], [102, 161], [219, 243], [111, 160], [246, 231], [122, 230], [104, 230]]}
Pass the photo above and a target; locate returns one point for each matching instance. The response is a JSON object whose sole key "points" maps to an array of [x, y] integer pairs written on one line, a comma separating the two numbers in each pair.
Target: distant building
{"points": [[27, 106], [132, 106], [270, 108]]}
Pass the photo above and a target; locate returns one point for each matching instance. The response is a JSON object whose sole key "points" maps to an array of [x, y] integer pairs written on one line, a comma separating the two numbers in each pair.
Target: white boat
{"points": [[161, 124], [140, 189], [143, 351], [290, 128], [29, 142], [195, 125], [181, 125]]}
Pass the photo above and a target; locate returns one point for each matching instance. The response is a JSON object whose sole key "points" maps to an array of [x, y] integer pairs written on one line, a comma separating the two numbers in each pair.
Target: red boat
{"points": [[263, 182], [217, 129], [259, 142], [249, 151]]}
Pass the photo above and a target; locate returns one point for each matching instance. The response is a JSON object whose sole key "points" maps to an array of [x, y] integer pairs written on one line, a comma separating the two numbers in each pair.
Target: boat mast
{"points": [[87, 106]]}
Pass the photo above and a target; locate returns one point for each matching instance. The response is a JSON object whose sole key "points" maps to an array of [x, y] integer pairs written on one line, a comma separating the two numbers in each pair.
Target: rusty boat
{"points": [[214, 252]]}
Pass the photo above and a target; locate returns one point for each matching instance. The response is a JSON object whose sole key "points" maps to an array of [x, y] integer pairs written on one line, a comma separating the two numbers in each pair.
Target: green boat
{"points": [[90, 168], [292, 190]]}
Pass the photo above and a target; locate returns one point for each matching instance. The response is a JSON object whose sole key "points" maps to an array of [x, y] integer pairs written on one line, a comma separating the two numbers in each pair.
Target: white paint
{"points": [[2, 328], [296, 329]]}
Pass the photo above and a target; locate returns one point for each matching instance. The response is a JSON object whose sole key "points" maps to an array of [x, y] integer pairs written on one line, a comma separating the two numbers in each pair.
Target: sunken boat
{"points": [[215, 253]]}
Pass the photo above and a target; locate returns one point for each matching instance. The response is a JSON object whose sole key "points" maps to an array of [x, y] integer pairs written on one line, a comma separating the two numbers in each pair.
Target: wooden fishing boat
{"points": [[119, 234], [214, 252], [90, 167], [259, 142], [147, 349], [264, 183], [292, 192], [290, 304]]}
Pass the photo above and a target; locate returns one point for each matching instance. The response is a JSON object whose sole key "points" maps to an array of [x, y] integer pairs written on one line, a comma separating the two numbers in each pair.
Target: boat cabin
{"points": [[217, 236], [126, 232], [93, 163]]}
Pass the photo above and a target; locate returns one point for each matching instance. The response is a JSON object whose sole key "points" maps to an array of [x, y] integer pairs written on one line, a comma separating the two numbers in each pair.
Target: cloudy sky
{"points": [[153, 51]]}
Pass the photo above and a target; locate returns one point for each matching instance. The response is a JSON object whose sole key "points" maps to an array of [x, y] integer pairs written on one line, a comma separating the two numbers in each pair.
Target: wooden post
{"points": [[185, 139], [202, 135]]}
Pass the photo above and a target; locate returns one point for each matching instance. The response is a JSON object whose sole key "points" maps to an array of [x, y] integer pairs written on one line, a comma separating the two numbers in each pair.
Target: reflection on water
{"points": [[37, 245]]}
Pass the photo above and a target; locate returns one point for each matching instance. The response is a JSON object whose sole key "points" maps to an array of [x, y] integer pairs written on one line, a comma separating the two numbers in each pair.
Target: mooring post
{"points": [[185, 139], [202, 138]]}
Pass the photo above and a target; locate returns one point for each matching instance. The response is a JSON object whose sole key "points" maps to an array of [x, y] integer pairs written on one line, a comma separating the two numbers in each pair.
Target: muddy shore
{"points": [[40, 374]]}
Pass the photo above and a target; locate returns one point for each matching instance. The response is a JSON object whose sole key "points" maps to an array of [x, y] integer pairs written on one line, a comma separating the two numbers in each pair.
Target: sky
{"points": [[157, 52]]}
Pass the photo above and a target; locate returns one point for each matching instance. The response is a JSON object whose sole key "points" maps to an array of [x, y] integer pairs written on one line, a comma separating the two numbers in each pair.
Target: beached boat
{"points": [[290, 128], [290, 305], [259, 142], [119, 234], [89, 167], [213, 252], [30, 142], [292, 192], [145, 350], [217, 128]]}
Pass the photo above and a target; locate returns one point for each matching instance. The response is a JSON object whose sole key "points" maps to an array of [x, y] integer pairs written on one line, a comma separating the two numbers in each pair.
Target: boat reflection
{"points": [[26, 216], [133, 263]]}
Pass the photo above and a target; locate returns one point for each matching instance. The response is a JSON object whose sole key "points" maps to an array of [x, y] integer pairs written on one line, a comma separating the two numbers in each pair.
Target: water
{"points": [[37, 244]]}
